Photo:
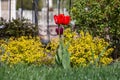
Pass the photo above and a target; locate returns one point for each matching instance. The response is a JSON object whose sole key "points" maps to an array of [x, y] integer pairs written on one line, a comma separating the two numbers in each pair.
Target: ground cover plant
{"points": [[24, 50], [83, 50], [25, 72]]}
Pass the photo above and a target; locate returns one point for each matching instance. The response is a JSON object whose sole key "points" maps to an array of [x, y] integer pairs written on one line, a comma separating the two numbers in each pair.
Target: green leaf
{"points": [[62, 57], [58, 57], [66, 58], [100, 55], [57, 60]]}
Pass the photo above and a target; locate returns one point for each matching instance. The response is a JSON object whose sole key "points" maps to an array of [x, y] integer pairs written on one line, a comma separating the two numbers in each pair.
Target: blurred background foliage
{"points": [[27, 4], [17, 28], [100, 18]]}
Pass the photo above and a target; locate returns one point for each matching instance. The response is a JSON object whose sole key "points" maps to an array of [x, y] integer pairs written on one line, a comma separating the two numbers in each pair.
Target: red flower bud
{"points": [[59, 30]]}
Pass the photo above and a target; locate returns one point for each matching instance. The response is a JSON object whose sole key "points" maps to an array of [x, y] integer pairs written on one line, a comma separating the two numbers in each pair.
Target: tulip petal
{"points": [[56, 19], [66, 20]]}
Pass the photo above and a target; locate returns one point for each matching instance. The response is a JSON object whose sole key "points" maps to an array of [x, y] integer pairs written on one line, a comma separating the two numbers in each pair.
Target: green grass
{"points": [[23, 72]]}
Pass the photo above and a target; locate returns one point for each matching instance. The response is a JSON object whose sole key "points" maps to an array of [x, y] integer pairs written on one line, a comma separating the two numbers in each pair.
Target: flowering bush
{"points": [[83, 49], [24, 50]]}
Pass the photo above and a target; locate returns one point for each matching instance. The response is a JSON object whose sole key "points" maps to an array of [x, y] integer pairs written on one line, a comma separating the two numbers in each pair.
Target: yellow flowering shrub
{"points": [[85, 49], [24, 50]]}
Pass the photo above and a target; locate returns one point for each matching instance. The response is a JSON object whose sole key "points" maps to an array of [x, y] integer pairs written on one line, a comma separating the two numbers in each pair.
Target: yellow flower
{"points": [[83, 49]]}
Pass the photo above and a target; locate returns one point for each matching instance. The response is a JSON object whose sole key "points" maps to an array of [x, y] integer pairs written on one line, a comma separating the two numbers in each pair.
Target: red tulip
{"points": [[66, 20], [62, 19], [59, 30], [56, 19], [59, 19]]}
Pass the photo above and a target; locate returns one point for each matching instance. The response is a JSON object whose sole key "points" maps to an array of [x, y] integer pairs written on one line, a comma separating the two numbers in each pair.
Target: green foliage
{"points": [[101, 18], [2, 21], [64, 3], [29, 4], [97, 16], [25, 72], [97, 60], [18, 28], [62, 56]]}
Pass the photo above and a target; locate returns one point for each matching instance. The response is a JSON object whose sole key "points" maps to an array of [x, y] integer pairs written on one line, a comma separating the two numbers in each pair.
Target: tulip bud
{"points": [[59, 30]]}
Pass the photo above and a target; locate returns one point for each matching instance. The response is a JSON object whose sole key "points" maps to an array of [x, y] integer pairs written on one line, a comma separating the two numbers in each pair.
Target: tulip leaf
{"points": [[58, 57], [62, 57], [66, 59]]}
